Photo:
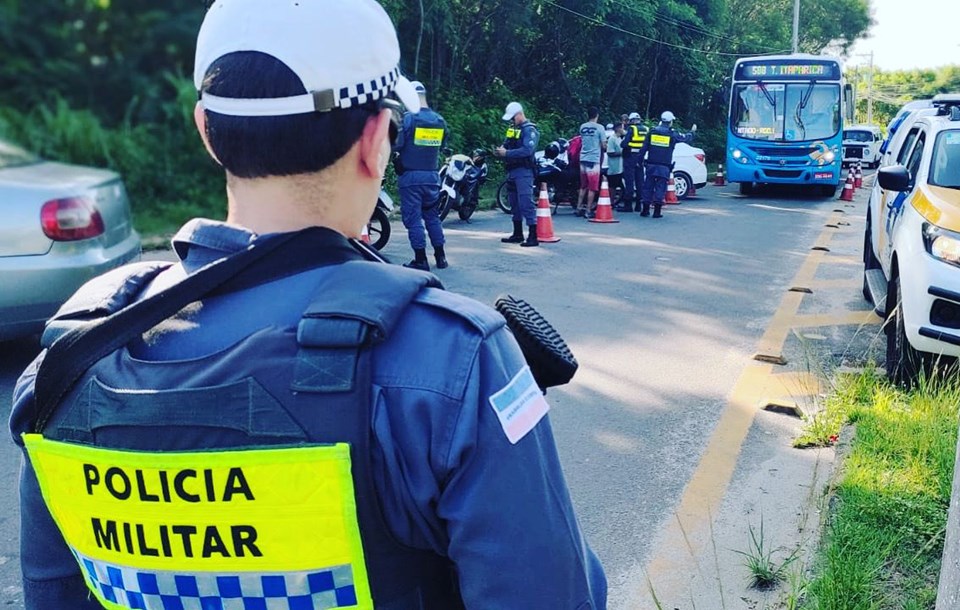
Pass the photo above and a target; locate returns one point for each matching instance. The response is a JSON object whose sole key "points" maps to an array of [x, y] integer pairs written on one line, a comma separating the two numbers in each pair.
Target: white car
{"points": [[912, 241], [690, 169], [862, 143]]}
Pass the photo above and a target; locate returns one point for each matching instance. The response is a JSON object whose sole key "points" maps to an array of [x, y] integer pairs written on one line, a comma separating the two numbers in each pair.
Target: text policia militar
{"points": [[172, 540]]}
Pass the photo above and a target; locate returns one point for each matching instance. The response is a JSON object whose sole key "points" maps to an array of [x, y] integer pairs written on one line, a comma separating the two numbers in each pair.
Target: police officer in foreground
{"points": [[632, 146], [659, 161], [418, 146], [275, 420], [518, 150]]}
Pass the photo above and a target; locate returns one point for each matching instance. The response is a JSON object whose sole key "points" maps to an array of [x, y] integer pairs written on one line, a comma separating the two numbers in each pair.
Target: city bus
{"points": [[786, 122]]}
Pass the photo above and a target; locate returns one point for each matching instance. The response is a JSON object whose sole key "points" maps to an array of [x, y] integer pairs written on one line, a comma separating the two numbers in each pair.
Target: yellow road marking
{"points": [[687, 535]]}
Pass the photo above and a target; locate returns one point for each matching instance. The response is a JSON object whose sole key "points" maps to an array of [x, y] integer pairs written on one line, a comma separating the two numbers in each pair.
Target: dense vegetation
{"points": [[108, 83]]}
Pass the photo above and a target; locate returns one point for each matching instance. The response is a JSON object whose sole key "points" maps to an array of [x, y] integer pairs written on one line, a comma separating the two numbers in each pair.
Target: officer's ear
{"points": [[374, 145], [200, 120]]}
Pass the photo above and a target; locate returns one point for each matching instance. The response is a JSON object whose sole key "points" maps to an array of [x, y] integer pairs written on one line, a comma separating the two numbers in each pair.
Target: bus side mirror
{"points": [[894, 178]]}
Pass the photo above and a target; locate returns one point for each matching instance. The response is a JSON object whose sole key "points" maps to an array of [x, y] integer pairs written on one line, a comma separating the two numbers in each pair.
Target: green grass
{"points": [[885, 531]]}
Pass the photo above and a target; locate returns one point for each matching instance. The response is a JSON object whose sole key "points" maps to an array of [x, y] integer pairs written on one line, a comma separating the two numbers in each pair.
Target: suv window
{"points": [[945, 167], [905, 147], [915, 157]]}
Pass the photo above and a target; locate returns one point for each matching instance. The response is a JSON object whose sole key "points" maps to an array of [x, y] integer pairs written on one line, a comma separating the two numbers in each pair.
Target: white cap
{"points": [[418, 87], [513, 109], [668, 117], [634, 116], [318, 41]]}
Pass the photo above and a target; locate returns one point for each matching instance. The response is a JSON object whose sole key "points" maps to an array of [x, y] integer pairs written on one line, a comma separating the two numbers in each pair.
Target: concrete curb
{"points": [[948, 593]]}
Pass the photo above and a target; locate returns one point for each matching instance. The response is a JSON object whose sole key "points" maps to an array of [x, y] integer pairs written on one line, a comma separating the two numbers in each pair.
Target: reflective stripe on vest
{"points": [[513, 133], [659, 140], [208, 528], [427, 136], [637, 137]]}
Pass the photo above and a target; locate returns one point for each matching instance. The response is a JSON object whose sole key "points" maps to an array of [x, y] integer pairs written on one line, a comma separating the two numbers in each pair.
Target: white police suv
{"points": [[912, 242]]}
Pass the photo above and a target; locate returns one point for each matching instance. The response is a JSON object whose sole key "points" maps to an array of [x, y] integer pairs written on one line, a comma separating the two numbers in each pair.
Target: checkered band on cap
{"points": [[135, 589], [316, 101]]}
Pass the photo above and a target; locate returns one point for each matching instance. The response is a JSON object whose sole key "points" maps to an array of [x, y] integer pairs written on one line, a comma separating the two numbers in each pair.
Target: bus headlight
{"points": [[942, 244], [829, 156], [738, 155]]}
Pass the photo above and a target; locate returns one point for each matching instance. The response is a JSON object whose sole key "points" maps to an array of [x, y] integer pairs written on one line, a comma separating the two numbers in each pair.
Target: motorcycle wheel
{"points": [[443, 205], [466, 211], [379, 228], [503, 201]]}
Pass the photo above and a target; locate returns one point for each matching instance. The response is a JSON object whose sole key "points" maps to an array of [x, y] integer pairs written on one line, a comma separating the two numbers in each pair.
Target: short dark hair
{"points": [[592, 112], [257, 147]]}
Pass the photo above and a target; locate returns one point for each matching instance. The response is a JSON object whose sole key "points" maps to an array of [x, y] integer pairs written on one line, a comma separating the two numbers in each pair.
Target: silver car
{"points": [[60, 225]]}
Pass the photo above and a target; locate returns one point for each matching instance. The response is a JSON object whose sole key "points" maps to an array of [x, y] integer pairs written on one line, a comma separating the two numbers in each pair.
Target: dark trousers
{"points": [[632, 179], [418, 207], [520, 193], [655, 187], [615, 181]]}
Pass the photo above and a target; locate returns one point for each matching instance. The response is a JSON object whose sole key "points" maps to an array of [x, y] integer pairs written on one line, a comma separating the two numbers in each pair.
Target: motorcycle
{"points": [[553, 168], [460, 181], [379, 226]]}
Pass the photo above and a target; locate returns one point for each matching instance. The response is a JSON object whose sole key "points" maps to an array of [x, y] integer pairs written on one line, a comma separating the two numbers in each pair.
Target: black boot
{"points": [[625, 206], [440, 256], [419, 260], [656, 211], [646, 209], [531, 237], [517, 236]]}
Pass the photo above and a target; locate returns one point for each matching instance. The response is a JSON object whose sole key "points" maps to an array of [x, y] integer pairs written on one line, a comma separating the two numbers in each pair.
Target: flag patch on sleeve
{"points": [[519, 406]]}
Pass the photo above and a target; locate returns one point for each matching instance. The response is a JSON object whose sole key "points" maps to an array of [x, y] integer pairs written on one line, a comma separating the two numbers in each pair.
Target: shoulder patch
{"points": [[519, 406], [482, 317]]}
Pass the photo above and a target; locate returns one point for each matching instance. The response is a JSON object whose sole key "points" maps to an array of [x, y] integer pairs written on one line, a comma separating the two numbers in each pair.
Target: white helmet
{"points": [[668, 117], [634, 116]]}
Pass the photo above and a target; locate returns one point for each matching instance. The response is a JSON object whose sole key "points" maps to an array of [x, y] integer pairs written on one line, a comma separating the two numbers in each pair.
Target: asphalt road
{"points": [[663, 316]]}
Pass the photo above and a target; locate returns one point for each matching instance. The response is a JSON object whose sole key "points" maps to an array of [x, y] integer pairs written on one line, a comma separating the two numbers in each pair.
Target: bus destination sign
{"points": [[818, 70]]}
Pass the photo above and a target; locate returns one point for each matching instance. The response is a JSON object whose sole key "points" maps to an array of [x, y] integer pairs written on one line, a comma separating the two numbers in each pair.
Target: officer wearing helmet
{"points": [[518, 150], [418, 153], [658, 161], [280, 419], [632, 146]]}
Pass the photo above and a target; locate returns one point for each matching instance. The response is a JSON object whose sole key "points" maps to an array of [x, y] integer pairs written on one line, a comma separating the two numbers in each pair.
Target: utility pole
{"points": [[796, 25], [870, 92]]}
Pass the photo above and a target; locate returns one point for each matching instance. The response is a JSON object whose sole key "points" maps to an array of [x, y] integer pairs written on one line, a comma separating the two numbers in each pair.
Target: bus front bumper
{"points": [[774, 174]]}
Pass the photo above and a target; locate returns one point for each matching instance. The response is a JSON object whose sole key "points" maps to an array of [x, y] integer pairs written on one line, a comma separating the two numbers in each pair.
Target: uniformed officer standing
{"points": [[418, 145], [276, 420], [518, 150], [659, 161], [632, 146]]}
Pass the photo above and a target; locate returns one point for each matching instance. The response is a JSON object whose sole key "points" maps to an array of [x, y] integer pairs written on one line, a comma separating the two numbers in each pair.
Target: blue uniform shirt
{"points": [[420, 154], [448, 476]]}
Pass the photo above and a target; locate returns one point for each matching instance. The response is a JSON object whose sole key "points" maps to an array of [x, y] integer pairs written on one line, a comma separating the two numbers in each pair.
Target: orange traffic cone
{"points": [[544, 218], [718, 179], [604, 211], [671, 196], [858, 177], [847, 194], [365, 234]]}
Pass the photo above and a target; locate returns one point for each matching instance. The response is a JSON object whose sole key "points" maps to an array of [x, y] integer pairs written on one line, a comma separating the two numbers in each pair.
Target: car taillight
{"points": [[701, 158], [70, 219]]}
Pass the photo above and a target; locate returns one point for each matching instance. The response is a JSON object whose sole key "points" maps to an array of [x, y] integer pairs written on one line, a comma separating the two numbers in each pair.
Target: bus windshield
{"points": [[785, 111]]}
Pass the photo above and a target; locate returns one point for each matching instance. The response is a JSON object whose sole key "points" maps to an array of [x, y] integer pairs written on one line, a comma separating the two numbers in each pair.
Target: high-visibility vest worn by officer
{"points": [[424, 136], [268, 511], [635, 139], [513, 140], [660, 144]]}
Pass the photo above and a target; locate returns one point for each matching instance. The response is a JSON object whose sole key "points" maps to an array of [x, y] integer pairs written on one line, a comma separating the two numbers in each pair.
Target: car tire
{"points": [[681, 183], [904, 364]]}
